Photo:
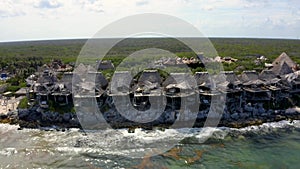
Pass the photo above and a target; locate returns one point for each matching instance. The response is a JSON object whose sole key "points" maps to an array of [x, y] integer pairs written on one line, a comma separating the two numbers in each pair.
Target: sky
{"points": [[69, 19]]}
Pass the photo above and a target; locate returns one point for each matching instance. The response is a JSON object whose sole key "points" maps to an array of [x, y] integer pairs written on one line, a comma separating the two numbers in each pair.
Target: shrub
{"points": [[23, 103]]}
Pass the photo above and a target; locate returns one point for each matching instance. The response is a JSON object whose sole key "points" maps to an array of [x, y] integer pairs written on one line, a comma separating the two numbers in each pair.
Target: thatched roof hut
{"points": [[42, 89], [120, 82], [150, 76], [256, 82], [227, 80], [231, 77], [247, 76], [105, 64], [81, 68], [285, 69], [283, 64], [148, 84], [183, 81], [292, 77], [202, 78], [267, 75], [47, 80], [21, 92], [69, 78], [98, 78]]}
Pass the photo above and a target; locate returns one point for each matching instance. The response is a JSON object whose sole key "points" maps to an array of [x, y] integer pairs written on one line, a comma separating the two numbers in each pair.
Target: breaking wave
{"points": [[34, 147]]}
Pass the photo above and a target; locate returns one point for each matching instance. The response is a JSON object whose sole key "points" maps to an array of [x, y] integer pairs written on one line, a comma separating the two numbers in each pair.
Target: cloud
{"points": [[141, 3], [92, 5], [7, 9], [83, 18], [208, 8], [47, 4], [255, 3]]}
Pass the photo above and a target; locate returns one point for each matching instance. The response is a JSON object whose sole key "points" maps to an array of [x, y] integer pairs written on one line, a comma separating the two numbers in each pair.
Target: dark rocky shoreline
{"points": [[37, 119]]}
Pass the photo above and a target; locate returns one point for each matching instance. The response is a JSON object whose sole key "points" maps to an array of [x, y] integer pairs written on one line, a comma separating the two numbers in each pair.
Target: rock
{"points": [[66, 117], [25, 124], [60, 119], [12, 114], [34, 116], [45, 116], [170, 117], [244, 115], [261, 110], [235, 116], [3, 116], [74, 122], [39, 109], [255, 112], [265, 115], [226, 116], [131, 130], [55, 116], [270, 111], [279, 118], [23, 113], [160, 120], [290, 111], [201, 116], [248, 108]]}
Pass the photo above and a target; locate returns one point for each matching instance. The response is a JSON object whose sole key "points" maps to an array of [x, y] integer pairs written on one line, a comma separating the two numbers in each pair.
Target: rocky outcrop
{"points": [[34, 118], [249, 115]]}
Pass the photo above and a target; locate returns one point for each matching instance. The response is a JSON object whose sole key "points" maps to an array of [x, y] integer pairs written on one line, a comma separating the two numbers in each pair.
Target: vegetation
{"points": [[23, 103], [23, 58], [54, 107], [15, 83]]}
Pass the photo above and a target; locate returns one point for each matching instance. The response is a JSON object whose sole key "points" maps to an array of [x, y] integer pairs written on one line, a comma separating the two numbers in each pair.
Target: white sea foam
{"points": [[272, 125], [8, 151]]}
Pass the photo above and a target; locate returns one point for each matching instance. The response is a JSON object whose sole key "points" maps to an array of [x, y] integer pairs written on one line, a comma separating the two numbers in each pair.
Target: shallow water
{"points": [[271, 145]]}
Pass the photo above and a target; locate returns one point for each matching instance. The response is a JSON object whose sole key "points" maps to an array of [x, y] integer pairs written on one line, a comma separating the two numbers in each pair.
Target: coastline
{"points": [[36, 119]]}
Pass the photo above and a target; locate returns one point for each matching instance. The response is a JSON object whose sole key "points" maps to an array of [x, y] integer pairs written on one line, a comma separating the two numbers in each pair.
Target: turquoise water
{"points": [[272, 145]]}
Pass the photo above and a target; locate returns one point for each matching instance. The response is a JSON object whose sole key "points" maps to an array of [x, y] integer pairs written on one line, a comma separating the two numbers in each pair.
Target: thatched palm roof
{"points": [[285, 69], [254, 82], [106, 64], [41, 88], [282, 63], [247, 76], [292, 77], [120, 82], [47, 80], [42, 68], [98, 78], [180, 80], [231, 77], [22, 91], [267, 75], [202, 78], [81, 68], [91, 68], [151, 76], [69, 78]]}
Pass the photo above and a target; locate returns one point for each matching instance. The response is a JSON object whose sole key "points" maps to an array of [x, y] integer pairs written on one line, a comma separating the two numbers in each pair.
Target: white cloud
{"points": [[255, 3], [82, 18], [47, 4], [7, 9], [208, 8], [92, 5], [142, 2]]}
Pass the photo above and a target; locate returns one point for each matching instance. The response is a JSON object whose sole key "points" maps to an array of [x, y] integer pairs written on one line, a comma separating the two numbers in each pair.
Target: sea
{"points": [[268, 146]]}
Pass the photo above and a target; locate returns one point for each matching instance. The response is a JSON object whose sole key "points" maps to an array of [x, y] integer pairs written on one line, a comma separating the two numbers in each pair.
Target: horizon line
{"points": [[209, 37]]}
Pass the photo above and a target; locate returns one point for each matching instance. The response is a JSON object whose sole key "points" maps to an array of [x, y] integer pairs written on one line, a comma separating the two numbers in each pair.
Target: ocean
{"points": [[268, 146]]}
